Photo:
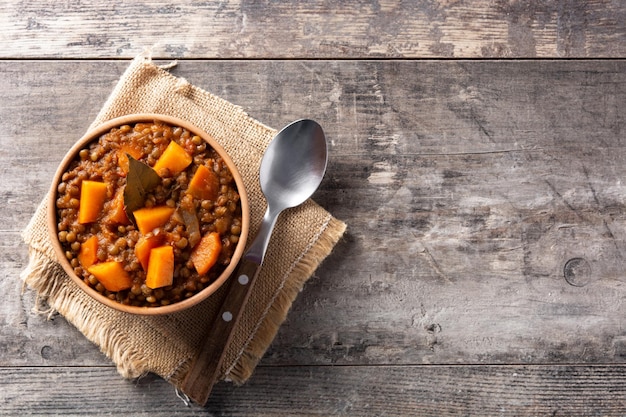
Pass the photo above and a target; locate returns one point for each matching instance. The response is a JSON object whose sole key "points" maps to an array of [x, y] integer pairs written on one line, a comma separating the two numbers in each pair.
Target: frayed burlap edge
{"points": [[53, 287], [54, 291], [292, 284], [276, 313]]}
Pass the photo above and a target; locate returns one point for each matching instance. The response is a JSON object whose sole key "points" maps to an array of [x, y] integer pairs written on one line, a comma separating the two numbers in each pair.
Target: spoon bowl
{"points": [[291, 170], [294, 164]]}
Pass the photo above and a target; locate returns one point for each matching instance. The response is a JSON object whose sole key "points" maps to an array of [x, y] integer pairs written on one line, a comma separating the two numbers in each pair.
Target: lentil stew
{"points": [[181, 237]]}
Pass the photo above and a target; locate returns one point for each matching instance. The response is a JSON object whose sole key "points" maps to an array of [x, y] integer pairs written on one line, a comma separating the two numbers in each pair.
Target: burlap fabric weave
{"points": [[165, 345]]}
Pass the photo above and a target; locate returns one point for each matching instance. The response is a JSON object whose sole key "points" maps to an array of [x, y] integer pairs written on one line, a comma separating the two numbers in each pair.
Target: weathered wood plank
{"points": [[318, 29], [325, 391], [468, 188]]}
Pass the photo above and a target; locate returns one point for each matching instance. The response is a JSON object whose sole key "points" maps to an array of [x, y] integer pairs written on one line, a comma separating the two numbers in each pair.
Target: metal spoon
{"points": [[291, 170]]}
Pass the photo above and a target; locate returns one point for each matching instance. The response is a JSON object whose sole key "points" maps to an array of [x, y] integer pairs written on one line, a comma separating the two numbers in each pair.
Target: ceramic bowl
{"points": [[176, 306]]}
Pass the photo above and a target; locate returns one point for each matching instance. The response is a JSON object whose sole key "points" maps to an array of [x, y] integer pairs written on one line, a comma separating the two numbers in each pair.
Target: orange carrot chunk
{"points": [[128, 149], [204, 184], [111, 275], [92, 196], [117, 214], [149, 218], [206, 252], [174, 158], [143, 247], [88, 254], [160, 267]]}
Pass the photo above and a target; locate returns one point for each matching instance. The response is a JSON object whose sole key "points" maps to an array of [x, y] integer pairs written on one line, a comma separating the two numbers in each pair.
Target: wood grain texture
{"points": [[313, 29], [336, 391], [485, 207]]}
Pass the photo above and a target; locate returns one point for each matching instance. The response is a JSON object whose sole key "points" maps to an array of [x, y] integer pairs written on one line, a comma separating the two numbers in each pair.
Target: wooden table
{"points": [[477, 154]]}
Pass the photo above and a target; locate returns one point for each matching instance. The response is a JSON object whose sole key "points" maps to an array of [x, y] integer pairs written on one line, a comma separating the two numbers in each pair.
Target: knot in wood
{"points": [[577, 272]]}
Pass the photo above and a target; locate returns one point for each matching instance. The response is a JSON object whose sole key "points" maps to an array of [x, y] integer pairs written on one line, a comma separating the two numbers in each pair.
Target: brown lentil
{"points": [[99, 161]]}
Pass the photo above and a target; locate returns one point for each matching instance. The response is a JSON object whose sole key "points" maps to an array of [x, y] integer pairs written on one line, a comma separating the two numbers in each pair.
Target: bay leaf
{"points": [[140, 181]]}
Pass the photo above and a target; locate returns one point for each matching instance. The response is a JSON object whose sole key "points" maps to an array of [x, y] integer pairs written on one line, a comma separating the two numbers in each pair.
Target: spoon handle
{"points": [[256, 251], [206, 365], [205, 368]]}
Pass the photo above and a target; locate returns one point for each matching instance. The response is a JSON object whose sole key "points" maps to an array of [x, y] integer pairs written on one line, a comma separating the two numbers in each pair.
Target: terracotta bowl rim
{"points": [[94, 134]]}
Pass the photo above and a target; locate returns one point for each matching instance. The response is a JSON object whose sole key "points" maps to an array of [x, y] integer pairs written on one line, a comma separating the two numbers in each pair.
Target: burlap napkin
{"points": [[165, 345]]}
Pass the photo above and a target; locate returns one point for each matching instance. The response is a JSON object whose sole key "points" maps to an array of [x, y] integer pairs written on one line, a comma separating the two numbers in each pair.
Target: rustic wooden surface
{"points": [[314, 29], [482, 270]]}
